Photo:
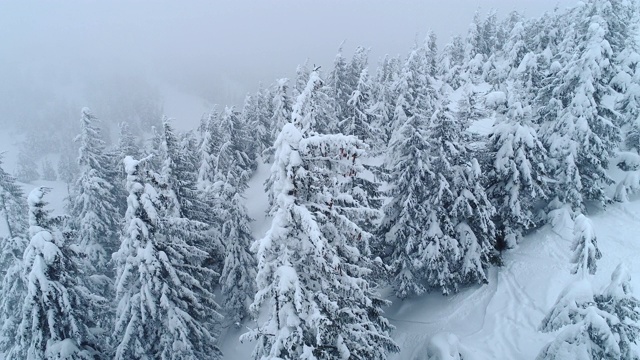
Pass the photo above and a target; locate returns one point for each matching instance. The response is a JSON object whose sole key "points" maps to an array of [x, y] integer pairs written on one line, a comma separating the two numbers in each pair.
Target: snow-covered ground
{"points": [[500, 320], [495, 321]]}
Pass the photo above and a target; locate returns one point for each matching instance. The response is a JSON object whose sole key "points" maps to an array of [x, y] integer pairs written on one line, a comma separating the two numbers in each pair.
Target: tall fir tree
{"points": [[57, 318], [165, 306], [461, 197], [409, 206], [239, 271], [304, 275], [92, 204], [517, 179], [209, 149], [13, 215], [581, 125], [594, 326], [281, 104], [234, 146], [359, 121]]}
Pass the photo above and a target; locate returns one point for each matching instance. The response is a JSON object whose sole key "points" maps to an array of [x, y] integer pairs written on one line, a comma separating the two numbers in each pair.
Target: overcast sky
{"points": [[219, 48]]}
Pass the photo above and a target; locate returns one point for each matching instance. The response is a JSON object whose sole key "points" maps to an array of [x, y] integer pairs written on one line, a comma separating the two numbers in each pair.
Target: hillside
{"points": [[498, 320]]}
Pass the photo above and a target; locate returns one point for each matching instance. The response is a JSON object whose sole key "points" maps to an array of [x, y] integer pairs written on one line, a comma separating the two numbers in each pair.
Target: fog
{"points": [[58, 55]]}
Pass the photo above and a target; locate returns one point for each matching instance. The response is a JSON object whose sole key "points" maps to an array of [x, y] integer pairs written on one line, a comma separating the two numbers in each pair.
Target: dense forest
{"points": [[377, 181]]}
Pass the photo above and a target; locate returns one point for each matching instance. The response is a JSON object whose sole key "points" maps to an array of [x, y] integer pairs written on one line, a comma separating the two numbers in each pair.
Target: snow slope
{"points": [[495, 321], [498, 320]]}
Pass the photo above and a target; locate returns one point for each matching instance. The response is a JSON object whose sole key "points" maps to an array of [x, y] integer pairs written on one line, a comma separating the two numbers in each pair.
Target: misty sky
{"points": [[219, 50]]}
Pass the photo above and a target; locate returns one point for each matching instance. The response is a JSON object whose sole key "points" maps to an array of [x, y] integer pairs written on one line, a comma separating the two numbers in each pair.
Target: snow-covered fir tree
{"points": [[255, 115], [359, 121], [460, 198], [341, 86], [415, 90], [127, 142], [301, 80], [234, 145], [450, 63], [209, 149], [517, 180], [359, 62], [585, 333], [154, 147], [56, 317], [582, 132], [594, 326], [618, 299], [584, 247], [239, 272], [13, 288], [165, 306], [92, 204], [281, 105], [319, 305], [68, 169], [405, 240], [12, 209], [127, 145], [383, 97], [179, 175]]}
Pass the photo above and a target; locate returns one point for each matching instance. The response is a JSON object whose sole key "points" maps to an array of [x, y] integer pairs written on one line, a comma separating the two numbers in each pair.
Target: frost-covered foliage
{"points": [[281, 105], [384, 97], [469, 209], [12, 209], [584, 247], [438, 224], [581, 130], [310, 283], [516, 181], [179, 173], [209, 148], [341, 86], [57, 317], [451, 61], [13, 288], [92, 204], [165, 306], [239, 272], [234, 155], [409, 208], [359, 120], [602, 326]]}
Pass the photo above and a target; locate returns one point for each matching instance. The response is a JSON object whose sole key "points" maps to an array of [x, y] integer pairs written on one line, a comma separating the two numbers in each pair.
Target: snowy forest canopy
{"points": [[416, 175]]}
